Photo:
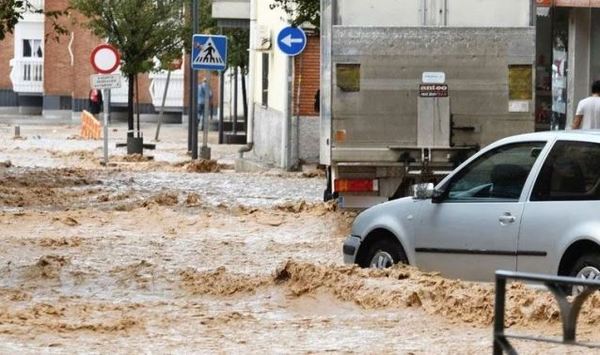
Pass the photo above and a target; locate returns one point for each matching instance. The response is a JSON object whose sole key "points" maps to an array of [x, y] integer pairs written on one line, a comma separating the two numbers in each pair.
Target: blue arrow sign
{"points": [[291, 41], [209, 52]]}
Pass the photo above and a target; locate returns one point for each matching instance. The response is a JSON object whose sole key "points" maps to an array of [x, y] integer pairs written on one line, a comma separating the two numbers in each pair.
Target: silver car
{"points": [[525, 203]]}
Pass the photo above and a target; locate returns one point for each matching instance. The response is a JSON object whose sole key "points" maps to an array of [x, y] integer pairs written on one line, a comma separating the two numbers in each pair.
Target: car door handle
{"points": [[507, 218]]}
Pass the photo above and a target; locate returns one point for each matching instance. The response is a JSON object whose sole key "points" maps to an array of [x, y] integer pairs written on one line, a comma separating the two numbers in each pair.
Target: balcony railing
{"points": [[157, 88], [27, 75], [119, 96], [174, 93]]}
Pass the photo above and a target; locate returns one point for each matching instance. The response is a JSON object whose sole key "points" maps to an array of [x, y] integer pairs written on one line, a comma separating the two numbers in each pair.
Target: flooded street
{"points": [[157, 256]]}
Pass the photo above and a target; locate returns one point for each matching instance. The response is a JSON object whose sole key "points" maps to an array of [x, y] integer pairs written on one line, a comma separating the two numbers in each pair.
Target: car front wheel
{"points": [[587, 267], [385, 253]]}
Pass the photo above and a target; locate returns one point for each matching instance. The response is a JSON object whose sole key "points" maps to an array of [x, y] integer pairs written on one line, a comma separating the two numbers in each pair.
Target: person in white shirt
{"points": [[588, 110]]}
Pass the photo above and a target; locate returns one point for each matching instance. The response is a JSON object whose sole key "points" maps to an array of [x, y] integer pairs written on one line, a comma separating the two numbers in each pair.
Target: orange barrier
{"points": [[90, 126]]}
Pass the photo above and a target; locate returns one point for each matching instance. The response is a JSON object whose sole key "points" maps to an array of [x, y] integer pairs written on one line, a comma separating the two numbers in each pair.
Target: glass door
{"points": [[560, 35]]}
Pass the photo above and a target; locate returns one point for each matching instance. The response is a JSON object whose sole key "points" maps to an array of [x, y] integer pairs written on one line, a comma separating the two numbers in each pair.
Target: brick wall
{"points": [[58, 72], [307, 75], [6, 54], [63, 78]]}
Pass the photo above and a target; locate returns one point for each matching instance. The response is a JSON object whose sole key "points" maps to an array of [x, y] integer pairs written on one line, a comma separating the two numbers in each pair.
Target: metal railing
{"points": [[569, 311], [27, 75], [156, 88], [119, 96], [174, 93]]}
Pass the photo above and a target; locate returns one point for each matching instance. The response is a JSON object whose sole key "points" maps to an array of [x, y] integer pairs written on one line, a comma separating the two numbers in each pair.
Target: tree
{"points": [[11, 11], [301, 11], [140, 29]]}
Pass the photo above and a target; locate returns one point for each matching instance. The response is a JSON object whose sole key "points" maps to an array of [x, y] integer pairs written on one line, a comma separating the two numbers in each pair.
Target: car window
{"points": [[570, 173], [498, 175]]}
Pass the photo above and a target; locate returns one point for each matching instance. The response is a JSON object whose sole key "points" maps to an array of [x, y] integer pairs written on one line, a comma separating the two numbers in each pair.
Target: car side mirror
{"points": [[438, 196], [422, 191]]}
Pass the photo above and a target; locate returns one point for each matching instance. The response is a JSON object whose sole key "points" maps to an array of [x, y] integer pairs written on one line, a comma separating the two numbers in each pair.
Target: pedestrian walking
{"points": [[588, 110], [203, 91]]}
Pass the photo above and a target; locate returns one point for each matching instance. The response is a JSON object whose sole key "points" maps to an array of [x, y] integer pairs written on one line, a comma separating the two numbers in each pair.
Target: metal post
{"points": [[205, 151], [106, 96], [235, 100], [194, 93], [190, 105], [162, 106], [499, 314], [221, 104], [285, 136]]}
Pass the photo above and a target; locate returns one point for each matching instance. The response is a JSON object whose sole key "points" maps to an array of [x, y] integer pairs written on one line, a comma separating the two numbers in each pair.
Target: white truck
{"points": [[409, 89]]}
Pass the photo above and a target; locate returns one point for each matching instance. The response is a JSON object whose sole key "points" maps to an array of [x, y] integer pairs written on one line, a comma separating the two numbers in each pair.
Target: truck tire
{"points": [[385, 253], [586, 267]]}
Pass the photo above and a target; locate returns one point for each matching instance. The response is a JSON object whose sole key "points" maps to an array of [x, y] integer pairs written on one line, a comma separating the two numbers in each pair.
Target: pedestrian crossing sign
{"points": [[209, 52]]}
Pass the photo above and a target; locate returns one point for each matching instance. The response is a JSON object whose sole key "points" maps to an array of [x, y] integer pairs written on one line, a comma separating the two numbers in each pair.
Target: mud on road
{"points": [[158, 256]]}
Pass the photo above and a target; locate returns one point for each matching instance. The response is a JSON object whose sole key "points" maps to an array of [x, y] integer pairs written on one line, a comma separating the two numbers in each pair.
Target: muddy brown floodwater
{"points": [[160, 255]]}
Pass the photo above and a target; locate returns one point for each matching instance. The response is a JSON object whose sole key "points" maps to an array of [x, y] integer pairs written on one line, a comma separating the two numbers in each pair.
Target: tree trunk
{"points": [[137, 103], [131, 83]]}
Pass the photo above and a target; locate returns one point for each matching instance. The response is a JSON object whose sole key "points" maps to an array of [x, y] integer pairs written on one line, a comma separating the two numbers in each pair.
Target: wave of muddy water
{"points": [[163, 260]]}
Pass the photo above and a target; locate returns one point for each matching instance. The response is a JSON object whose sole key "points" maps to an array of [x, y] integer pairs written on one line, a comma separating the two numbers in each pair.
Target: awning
{"points": [[568, 3]]}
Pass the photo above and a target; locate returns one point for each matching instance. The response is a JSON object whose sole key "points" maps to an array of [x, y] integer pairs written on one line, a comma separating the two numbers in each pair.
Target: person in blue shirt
{"points": [[203, 90]]}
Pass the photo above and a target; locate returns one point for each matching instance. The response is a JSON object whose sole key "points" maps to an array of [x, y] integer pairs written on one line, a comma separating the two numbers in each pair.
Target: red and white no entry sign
{"points": [[105, 59]]}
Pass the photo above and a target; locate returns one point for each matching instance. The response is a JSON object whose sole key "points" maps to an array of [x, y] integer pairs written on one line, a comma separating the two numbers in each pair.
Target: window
{"points": [[498, 175], [265, 79], [32, 48], [570, 173], [348, 77]]}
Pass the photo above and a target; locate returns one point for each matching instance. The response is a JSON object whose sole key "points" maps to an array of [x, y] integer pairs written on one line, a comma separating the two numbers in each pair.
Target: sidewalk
{"points": [[41, 138]]}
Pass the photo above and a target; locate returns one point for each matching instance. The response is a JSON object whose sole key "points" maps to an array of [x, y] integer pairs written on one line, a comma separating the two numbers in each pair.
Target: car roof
{"points": [[578, 134]]}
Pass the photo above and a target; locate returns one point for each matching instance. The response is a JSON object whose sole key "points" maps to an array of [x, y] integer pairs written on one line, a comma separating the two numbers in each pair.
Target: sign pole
{"points": [[205, 151], [285, 134], [194, 93], [106, 97], [105, 59], [209, 52], [291, 42]]}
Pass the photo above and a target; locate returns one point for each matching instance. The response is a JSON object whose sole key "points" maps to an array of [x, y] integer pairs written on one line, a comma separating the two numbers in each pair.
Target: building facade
{"points": [[49, 77], [275, 102], [568, 57]]}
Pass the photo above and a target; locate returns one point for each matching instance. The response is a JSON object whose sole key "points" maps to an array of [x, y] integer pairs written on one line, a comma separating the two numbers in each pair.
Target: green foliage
{"points": [[11, 12], [300, 11], [140, 29], [239, 42], [238, 38]]}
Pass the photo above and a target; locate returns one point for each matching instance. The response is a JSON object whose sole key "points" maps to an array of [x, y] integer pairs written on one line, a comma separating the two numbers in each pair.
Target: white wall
{"points": [[379, 12], [488, 13], [454, 13], [27, 30], [231, 9], [274, 21]]}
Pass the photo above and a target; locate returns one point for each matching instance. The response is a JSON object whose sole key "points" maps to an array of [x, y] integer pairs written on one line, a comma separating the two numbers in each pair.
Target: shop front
{"points": [[568, 58]]}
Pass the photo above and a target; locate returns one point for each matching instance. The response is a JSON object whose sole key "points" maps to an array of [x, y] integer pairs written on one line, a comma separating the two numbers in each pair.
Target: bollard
{"points": [[17, 131]]}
